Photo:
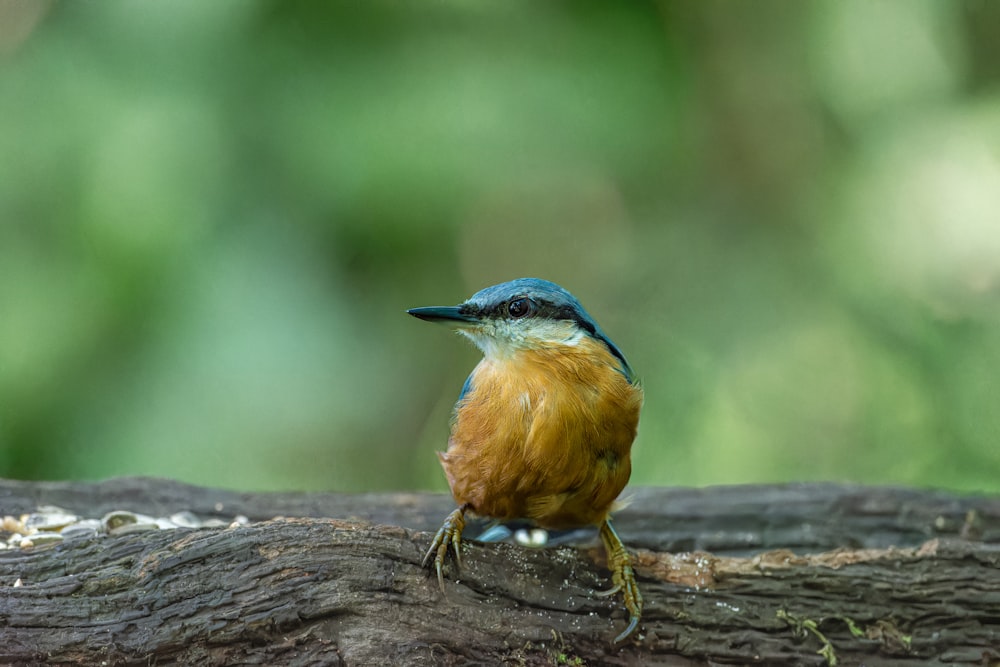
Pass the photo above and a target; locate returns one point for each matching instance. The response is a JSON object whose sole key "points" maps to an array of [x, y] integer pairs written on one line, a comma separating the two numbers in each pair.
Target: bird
{"points": [[543, 427]]}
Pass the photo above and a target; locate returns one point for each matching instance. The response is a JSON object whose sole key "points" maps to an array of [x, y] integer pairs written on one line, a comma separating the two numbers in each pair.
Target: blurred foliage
{"points": [[214, 214]]}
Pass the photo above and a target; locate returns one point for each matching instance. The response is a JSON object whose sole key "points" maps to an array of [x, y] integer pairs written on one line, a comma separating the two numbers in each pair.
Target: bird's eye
{"points": [[519, 307]]}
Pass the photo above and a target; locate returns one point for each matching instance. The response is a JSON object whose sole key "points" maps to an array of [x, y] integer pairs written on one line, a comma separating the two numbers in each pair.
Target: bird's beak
{"points": [[445, 314]]}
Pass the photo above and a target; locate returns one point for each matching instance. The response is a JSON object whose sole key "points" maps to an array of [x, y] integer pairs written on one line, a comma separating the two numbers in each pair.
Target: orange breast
{"points": [[544, 435]]}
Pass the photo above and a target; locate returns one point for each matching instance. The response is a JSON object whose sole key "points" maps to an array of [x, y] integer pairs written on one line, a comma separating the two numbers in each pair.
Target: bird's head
{"points": [[523, 314]]}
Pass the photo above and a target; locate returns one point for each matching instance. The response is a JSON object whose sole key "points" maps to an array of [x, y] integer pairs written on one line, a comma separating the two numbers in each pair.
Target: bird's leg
{"points": [[623, 576], [450, 533]]}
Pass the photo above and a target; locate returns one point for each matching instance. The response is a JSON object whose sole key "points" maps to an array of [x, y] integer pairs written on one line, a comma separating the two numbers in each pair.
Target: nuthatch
{"points": [[544, 425]]}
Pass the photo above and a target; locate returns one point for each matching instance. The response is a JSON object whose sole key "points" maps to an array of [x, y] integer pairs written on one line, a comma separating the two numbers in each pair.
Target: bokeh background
{"points": [[213, 216]]}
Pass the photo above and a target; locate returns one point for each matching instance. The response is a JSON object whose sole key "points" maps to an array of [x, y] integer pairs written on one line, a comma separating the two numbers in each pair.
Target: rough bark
{"points": [[796, 574]]}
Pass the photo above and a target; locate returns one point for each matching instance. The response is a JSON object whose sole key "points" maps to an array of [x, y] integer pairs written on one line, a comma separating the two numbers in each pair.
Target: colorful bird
{"points": [[544, 425]]}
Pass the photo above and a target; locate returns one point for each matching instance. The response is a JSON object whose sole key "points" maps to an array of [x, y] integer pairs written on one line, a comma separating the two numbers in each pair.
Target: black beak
{"points": [[443, 314]]}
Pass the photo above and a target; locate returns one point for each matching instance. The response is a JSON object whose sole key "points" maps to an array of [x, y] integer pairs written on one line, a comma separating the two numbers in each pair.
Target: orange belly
{"points": [[545, 435]]}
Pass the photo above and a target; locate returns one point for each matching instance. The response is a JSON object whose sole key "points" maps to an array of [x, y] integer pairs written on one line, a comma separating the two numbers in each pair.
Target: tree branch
{"points": [[350, 590]]}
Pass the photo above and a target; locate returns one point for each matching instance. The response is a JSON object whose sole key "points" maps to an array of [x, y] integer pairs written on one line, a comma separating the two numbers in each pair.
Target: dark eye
{"points": [[519, 307]]}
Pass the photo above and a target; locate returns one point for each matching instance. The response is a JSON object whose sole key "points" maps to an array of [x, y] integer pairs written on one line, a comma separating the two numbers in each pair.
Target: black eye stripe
{"points": [[515, 308]]}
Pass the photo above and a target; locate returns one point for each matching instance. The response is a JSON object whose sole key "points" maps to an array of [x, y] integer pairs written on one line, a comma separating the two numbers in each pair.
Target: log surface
{"points": [[806, 574]]}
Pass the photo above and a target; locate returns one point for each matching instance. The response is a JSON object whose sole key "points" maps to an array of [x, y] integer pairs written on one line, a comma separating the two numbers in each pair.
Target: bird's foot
{"points": [[450, 534], [623, 576]]}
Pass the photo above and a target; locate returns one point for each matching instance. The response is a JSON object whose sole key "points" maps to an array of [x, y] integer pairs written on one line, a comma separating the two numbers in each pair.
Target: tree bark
{"points": [[805, 574]]}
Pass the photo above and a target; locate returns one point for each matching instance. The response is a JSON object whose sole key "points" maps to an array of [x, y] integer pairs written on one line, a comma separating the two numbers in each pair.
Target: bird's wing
{"points": [[466, 388]]}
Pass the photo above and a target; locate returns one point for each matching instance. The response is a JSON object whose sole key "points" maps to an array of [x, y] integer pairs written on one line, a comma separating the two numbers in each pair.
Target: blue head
{"points": [[526, 313]]}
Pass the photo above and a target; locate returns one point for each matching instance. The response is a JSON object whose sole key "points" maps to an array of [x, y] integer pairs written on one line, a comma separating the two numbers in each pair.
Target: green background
{"points": [[213, 216]]}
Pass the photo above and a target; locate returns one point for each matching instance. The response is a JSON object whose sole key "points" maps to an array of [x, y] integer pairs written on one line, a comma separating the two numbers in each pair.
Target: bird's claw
{"points": [[450, 534], [623, 577], [608, 593]]}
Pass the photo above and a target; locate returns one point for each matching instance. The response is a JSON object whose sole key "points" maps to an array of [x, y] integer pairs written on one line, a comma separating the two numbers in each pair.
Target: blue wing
{"points": [[466, 388], [624, 369]]}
